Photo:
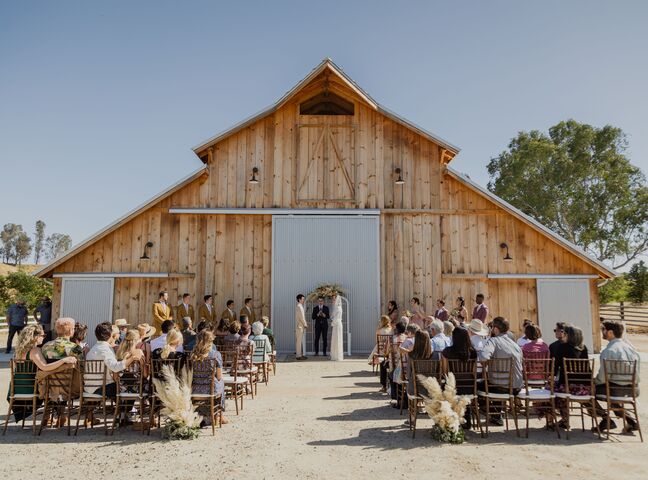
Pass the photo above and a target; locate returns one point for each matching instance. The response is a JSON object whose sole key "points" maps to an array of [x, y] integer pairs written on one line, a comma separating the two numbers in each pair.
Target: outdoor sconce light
{"points": [[145, 256], [507, 258], [254, 180], [399, 180]]}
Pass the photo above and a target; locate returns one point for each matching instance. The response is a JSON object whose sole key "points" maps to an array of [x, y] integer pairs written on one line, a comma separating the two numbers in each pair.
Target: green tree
{"points": [[21, 284], [616, 290], [39, 238], [23, 247], [578, 182], [57, 244], [16, 244], [638, 283]]}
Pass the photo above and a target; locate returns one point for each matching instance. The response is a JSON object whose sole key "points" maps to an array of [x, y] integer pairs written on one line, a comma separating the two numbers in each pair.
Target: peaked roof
{"points": [[327, 63], [120, 221], [532, 222]]}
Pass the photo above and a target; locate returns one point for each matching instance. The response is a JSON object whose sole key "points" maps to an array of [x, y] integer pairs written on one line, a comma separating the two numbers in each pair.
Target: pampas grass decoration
{"points": [[182, 420], [445, 408]]}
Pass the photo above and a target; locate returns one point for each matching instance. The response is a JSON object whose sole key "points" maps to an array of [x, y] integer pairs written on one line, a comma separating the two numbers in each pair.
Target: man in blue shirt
{"points": [[16, 319]]}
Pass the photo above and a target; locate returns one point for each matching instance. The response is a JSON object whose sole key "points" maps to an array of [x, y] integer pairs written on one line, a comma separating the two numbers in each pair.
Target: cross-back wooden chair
{"points": [[465, 373], [130, 391], [382, 345], [219, 341], [156, 372], [426, 368], [246, 368], [234, 384], [620, 391], [260, 358], [538, 392], [204, 379], [22, 391], [579, 376], [94, 374], [58, 395], [401, 389], [498, 390]]}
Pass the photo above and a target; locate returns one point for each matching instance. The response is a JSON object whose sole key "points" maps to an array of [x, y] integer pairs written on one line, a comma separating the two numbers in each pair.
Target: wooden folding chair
{"points": [[23, 380], [579, 376], [620, 390], [538, 391], [382, 345], [426, 368], [246, 368], [58, 395], [93, 373], [260, 359], [204, 374], [130, 391], [401, 389], [498, 390], [234, 384], [156, 372], [465, 373]]}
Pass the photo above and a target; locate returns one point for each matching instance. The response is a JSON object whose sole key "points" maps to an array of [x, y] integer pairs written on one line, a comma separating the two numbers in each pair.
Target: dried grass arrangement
{"points": [[182, 421], [445, 408], [326, 291]]}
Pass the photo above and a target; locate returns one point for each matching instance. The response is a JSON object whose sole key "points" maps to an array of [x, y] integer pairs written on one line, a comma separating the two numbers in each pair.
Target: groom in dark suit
{"points": [[321, 317]]}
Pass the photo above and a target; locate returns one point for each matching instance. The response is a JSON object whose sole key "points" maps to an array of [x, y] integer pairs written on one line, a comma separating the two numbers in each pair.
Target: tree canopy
{"points": [[577, 181]]}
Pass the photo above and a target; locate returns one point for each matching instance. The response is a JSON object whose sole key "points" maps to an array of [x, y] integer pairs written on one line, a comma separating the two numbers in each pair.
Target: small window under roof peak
{"points": [[326, 103]]}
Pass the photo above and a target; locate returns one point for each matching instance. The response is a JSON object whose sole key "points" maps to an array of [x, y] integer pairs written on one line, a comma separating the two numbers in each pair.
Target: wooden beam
{"points": [[429, 211]]}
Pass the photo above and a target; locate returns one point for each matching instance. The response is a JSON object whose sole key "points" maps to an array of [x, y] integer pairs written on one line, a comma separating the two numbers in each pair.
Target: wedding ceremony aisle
{"points": [[317, 419]]}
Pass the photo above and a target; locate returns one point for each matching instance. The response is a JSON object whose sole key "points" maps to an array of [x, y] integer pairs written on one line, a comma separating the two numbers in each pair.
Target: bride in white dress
{"points": [[337, 342]]}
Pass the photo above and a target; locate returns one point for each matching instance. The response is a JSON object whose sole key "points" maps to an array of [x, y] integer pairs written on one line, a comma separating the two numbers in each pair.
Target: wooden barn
{"points": [[328, 186]]}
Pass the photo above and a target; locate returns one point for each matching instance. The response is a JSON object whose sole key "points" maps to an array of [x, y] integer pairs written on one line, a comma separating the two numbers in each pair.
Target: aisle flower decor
{"points": [[326, 291], [445, 408], [182, 421]]}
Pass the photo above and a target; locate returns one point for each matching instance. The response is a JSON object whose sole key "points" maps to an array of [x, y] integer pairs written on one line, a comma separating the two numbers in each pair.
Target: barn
{"points": [[328, 186]]}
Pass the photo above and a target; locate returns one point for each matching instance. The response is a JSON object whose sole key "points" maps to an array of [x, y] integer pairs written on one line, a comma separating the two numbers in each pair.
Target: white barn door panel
{"points": [[88, 301], [565, 300]]}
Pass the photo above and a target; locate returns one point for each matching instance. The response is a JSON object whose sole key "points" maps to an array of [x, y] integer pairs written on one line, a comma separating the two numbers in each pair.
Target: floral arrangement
{"points": [[325, 291], [182, 420], [445, 408]]}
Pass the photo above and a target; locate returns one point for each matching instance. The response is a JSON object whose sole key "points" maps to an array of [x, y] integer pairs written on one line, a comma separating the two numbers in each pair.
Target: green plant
{"points": [[21, 284], [616, 290]]}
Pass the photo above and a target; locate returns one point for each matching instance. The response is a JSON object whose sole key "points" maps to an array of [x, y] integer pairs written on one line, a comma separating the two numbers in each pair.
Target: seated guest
{"points": [[559, 332], [103, 351], [146, 332], [122, 325], [478, 333], [222, 328], [62, 346], [534, 344], [233, 332], [386, 366], [268, 331], [161, 341], [523, 340], [571, 346], [128, 346], [257, 334], [29, 341], [401, 369], [438, 341], [616, 349], [410, 333], [384, 328], [461, 349], [244, 320], [204, 325], [114, 338], [79, 336], [246, 347], [173, 348], [422, 351], [188, 334], [206, 350], [448, 327]]}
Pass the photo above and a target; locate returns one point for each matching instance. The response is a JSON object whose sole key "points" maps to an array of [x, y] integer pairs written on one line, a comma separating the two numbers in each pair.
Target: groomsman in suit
{"points": [[300, 327], [207, 312], [321, 317], [161, 311], [480, 312], [228, 314], [247, 311], [184, 309]]}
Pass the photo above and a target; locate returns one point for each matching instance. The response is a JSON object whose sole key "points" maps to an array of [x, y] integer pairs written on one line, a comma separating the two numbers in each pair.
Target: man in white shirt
{"points": [[300, 327], [161, 341], [103, 351], [478, 333]]}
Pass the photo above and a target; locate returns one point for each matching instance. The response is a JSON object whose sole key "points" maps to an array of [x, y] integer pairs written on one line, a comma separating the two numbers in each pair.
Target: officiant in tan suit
{"points": [[300, 327], [161, 311], [247, 311], [207, 312], [184, 309]]}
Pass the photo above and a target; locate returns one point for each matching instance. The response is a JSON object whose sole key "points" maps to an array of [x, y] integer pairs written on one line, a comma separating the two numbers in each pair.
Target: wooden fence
{"points": [[5, 328], [632, 315]]}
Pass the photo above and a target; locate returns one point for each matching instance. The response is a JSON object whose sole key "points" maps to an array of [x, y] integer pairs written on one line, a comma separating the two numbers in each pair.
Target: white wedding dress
{"points": [[337, 342]]}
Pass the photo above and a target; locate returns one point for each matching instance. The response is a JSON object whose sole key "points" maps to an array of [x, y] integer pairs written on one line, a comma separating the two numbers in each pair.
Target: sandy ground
{"points": [[319, 419]]}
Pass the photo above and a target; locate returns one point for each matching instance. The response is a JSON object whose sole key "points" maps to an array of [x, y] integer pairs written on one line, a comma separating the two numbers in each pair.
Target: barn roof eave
{"points": [[604, 270], [47, 269], [326, 63]]}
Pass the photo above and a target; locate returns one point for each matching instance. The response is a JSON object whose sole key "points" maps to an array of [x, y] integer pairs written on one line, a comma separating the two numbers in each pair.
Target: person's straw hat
{"points": [[121, 322], [477, 326], [146, 330]]}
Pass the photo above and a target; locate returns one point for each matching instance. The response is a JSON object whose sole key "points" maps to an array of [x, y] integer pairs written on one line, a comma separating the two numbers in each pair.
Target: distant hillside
{"points": [[5, 269]]}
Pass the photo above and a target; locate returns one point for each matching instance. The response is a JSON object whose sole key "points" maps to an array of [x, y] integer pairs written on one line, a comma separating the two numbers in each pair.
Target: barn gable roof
{"points": [[532, 222], [327, 63], [47, 269]]}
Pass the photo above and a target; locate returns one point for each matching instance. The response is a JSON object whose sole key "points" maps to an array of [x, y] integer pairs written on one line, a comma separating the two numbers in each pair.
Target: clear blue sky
{"points": [[101, 102]]}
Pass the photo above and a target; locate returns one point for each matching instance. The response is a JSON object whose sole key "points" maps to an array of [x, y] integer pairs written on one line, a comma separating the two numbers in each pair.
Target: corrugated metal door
{"points": [[311, 250], [565, 300], [88, 301]]}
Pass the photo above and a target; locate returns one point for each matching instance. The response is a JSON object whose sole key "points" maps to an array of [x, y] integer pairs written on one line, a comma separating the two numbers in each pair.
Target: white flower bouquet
{"points": [[445, 408], [325, 291]]}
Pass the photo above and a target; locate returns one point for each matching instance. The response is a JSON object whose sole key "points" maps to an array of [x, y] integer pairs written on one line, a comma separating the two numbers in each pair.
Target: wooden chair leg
{"points": [[116, 417], [11, 402], [212, 415], [151, 415], [81, 407], [515, 416]]}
